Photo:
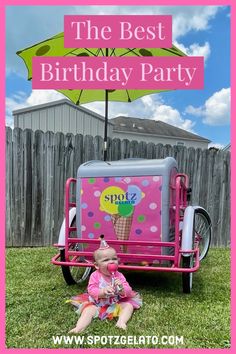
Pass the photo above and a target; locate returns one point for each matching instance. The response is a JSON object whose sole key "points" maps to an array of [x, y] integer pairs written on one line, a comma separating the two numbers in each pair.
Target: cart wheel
{"points": [[202, 230], [74, 275], [187, 278]]}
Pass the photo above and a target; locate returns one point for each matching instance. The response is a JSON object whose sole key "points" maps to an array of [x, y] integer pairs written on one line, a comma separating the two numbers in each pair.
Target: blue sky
{"points": [[197, 30]]}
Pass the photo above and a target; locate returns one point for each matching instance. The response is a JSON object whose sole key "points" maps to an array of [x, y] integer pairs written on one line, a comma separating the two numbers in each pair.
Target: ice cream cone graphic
{"points": [[122, 226], [120, 205]]}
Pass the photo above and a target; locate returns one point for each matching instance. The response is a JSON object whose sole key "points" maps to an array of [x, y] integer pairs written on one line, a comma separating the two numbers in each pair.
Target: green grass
{"points": [[36, 308]]}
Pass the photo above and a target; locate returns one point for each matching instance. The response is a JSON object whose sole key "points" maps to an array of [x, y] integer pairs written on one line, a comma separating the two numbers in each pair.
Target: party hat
{"points": [[103, 244]]}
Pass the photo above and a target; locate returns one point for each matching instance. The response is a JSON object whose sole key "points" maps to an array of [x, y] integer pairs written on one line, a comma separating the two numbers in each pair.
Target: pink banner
{"points": [[115, 31], [121, 73]]}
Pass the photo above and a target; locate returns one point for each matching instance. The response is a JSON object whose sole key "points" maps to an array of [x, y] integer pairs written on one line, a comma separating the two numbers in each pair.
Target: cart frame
{"points": [[73, 257]]}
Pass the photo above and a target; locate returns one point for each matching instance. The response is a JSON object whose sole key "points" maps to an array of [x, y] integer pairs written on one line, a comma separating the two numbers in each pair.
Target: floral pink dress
{"points": [[107, 307]]}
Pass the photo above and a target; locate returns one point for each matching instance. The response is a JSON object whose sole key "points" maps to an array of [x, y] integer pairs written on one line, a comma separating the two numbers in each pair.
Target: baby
{"points": [[106, 297]]}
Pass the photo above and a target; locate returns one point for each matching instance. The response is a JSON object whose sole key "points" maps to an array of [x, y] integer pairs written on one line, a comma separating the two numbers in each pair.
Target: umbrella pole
{"points": [[106, 124], [106, 120]]}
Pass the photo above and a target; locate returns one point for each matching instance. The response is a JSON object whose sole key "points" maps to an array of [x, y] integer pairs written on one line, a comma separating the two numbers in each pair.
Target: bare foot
{"points": [[121, 325], [76, 330]]}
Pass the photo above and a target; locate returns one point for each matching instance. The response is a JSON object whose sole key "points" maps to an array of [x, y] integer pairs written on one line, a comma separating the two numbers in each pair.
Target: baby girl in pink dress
{"points": [[107, 296]]}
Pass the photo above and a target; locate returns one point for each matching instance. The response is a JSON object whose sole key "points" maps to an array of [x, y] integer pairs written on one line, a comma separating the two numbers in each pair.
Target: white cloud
{"points": [[133, 109], [216, 145], [193, 18], [11, 105], [150, 101], [20, 100], [157, 110], [216, 110], [98, 107], [195, 111], [195, 49], [172, 116], [141, 108], [43, 96], [149, 107]]}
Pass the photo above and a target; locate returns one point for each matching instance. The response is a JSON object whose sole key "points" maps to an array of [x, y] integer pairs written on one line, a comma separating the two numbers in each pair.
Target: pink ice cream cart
{"points": [[141, 207]]}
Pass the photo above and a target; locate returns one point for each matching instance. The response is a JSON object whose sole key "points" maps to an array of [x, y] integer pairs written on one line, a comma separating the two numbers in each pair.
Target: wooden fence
{"points": [[38, 164]]}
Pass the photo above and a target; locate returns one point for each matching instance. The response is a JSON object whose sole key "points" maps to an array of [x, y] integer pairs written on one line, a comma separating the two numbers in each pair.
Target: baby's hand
{"points": [[119, 286], [108, 291]]}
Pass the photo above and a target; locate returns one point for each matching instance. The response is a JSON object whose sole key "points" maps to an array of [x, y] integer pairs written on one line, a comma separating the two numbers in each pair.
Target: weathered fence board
{"points": [[27, 187], [17, 187], [9, 186], [38, 164], [59, 182]]}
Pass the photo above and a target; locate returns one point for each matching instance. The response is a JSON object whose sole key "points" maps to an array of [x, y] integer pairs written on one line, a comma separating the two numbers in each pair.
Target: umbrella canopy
{"points": [[54, 46]]}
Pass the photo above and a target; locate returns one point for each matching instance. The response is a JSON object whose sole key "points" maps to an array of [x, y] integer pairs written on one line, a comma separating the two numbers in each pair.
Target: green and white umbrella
{"points": [[54, 46]]}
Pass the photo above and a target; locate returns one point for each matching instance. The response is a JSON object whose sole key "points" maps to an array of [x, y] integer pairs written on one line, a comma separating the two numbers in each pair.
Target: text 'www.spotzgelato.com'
{"points": [[170, 340]]}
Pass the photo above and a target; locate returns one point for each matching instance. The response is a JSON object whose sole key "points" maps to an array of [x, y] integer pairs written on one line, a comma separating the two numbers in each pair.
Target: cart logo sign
{"points": [[116, 195], [115, 200], [127, 198]]}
